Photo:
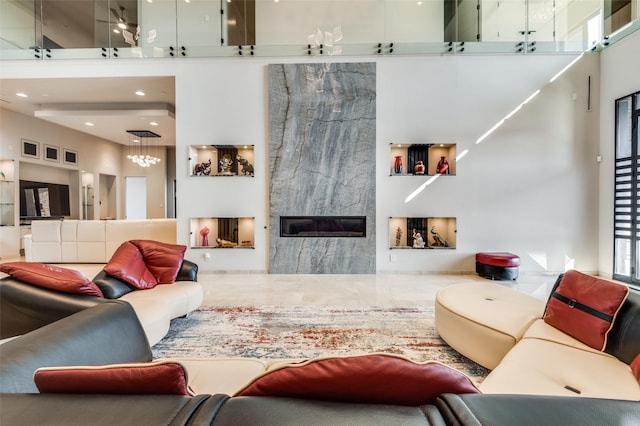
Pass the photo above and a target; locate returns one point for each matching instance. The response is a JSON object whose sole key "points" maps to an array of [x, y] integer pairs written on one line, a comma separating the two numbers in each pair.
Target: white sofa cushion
{"points": [[91, 237], [154, 316], [221, 375], [180, 297], [69, 241], [543, 331], [484, 320], [541, 367], [46, 241]]}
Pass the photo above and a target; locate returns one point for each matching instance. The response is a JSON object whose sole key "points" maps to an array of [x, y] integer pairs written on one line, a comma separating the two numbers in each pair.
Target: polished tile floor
{"points": [[386, 290]]}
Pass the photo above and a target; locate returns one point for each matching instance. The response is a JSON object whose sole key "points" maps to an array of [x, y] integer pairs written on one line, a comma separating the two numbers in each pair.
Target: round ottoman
{"points": [[484, 320], [497, 266]]}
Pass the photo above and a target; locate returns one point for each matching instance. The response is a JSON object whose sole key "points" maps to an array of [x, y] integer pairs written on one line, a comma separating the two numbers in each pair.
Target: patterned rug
{"points": [[276, 332]]}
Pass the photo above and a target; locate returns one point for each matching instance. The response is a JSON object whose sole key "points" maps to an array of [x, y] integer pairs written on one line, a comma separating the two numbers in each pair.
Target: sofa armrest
{"points": [[25, 307], [27, 240], [188, 271], [108, 333]]}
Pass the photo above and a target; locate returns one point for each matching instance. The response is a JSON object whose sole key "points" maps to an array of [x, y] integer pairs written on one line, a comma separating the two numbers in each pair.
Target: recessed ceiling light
{"points": [[88, 123], [117, 31], [139, 93], [22, 95], [153, 123]]}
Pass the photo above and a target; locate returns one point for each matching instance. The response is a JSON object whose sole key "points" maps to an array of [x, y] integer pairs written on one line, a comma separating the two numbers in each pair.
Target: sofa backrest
{"points": [[107, 333], [91, 241], [119, 231], [623, 341], [25, 307]]}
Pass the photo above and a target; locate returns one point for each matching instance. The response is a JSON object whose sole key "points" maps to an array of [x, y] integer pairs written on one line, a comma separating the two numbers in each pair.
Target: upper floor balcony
{"points": [[72, 29]]}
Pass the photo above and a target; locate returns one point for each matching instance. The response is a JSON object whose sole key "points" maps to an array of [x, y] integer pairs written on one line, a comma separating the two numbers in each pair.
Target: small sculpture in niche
{"points": [[419, 168], [202, 169], [398, 236], [247, 168], [225, 164], [443, 166], [225, 243], [418, 242], [438, 241], [204, 233]]}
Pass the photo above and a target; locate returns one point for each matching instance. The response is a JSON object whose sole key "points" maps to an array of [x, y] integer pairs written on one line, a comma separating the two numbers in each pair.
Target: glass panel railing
{"points": [[60, 29], [17, 29]]}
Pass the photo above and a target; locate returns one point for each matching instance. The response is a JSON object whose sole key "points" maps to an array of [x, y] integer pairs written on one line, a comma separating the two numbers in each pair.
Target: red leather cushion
{"points": [[376, 378], [52, 277], [163, 260], [128, 265], [579, 289], [635, 367], [158, 378], [505, 260]]}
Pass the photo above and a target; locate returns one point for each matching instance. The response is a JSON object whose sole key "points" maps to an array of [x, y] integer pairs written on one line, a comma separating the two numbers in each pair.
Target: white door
{"points": [[136, 197]]}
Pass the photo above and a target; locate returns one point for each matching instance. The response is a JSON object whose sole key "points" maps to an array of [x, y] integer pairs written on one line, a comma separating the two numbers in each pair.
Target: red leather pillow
{"points": [[163, 260], [51, 277], [635, 367], [375, 378], [128, 265], [585, 307], [156, 378]]}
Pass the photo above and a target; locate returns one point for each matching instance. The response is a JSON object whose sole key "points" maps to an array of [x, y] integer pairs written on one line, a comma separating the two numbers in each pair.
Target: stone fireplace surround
{"points": [[322, 137]]}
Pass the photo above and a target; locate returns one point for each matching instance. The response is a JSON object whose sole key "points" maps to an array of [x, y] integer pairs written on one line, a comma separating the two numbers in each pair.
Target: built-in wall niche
{"points": [[422, 159], [222, 232], [221, 160], [422, 232]]}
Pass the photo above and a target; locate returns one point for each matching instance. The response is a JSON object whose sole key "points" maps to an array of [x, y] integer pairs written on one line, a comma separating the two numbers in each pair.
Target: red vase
{"points": [[397, 165]]}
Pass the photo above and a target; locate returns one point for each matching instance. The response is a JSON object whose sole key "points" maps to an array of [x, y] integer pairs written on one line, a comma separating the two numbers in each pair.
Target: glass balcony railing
{"points": [[61, 29]]}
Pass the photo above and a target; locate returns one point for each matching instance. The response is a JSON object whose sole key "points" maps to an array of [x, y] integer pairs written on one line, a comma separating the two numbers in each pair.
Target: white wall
{"points": [[619, 77], [530, 188]]}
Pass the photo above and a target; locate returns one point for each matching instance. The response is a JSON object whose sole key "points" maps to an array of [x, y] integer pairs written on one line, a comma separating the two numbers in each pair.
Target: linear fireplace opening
{"points": [[323, 226]]}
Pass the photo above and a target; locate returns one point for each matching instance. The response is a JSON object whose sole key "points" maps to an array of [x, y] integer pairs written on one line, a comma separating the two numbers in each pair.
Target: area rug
{"points": [[277, 332]]}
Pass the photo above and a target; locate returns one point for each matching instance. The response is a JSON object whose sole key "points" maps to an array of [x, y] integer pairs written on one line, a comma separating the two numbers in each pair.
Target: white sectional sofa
{"points": [[90, 241], [508, 332]]}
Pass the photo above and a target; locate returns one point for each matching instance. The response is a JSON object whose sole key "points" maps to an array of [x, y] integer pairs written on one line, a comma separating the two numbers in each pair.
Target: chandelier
{"points": [[143, 147]]}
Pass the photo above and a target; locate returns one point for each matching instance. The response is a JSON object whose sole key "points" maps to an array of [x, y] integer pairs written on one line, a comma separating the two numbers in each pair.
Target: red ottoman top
{"points": [[505, 259]]}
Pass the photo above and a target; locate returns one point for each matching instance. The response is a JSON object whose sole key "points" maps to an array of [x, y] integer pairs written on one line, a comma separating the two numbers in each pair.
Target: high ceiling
{"points": [[110, 104]]}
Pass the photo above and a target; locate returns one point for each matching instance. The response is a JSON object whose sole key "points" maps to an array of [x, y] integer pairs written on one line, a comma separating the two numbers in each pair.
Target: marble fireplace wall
{"points": [[322, 137]]}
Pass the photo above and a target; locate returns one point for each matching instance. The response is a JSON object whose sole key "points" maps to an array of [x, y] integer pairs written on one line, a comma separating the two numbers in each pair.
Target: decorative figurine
{"points": [[202, 169], [418, 242], [204, 232], [225, 243], [438, 241], [443, 166], [419, 168], [247, 168], [398, 236], [225, 164]]}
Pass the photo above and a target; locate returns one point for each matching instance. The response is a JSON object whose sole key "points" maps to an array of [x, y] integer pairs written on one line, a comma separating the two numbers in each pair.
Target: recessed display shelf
{"points": [[221, 160], [222, 232], [430, 159], [422, 233]]}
